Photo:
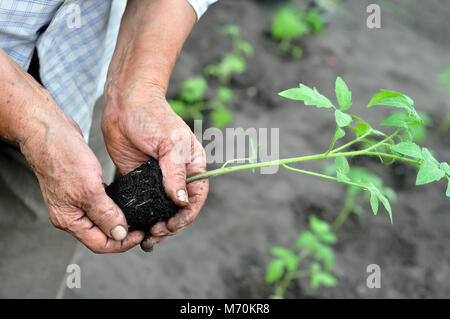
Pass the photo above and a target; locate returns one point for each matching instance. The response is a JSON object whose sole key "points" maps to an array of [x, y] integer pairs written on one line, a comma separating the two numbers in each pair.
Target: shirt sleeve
{"points": [[200, 6]]}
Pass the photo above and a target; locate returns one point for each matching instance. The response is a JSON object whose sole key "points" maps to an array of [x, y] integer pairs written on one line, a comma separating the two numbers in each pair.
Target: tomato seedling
{"points": [[234, 62], [395, 146], [190, 103]]}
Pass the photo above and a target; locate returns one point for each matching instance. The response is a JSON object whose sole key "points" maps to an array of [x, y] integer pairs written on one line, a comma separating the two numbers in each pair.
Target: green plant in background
{"points": [[314, 244], [388, 147], [234, 62], [444, 79], [190, 103], [290, 23]]}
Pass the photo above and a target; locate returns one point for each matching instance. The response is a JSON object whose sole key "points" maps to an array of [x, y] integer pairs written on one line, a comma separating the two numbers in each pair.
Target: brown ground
{"points": [[225, 252]]}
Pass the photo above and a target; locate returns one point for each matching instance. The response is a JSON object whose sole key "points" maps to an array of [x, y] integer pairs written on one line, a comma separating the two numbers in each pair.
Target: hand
{"points": [[70, 177], [138, 123]]}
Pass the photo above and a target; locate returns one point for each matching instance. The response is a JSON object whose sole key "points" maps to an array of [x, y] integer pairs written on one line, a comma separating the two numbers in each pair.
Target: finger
{"points": [[94, 239], [159, 229], [148, 243], [104, 213], [174, 176], [198, 191]]}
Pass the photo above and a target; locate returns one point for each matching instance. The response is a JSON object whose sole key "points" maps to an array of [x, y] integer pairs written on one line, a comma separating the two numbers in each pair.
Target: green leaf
{"points": [[392, 98], [288, 24], [224, 94], [403, 120], [445, 168], [306, 239], [343, 94], [275, 271], [409, 149], [288, 256], [340, 133], [318, 226], [221, 118], [374, 203], [328, 238], [342, 165], [342, 119], [377, 196], [315, 20], [429, 170], [326, 254], [308, 96], [193, 89], [324, 279]]}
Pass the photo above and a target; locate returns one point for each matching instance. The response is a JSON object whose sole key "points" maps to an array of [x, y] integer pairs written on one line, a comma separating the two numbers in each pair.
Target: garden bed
{"points": [[226, 251]]}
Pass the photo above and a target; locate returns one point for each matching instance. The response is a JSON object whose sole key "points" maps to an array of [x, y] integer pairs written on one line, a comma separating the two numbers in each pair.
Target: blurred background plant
{"points": [[234, 62], [315, 245], [290, 23], [191, 104]]}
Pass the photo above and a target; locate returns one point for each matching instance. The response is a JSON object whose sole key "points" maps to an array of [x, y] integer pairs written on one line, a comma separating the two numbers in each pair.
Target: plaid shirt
{"points": [[75, 49]]}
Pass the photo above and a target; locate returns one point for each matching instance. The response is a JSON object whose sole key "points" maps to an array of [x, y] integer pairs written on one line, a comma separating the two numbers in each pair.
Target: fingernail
{"points": [[181, 194], [146, 247], [119, 232]]}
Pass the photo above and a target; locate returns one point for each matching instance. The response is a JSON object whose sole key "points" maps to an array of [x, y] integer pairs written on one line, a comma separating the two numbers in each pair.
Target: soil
{"points": [[141, 196], [225, 252]]}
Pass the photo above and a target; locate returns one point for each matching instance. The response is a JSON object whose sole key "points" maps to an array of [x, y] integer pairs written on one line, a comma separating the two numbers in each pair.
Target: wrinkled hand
{"points": [[138, 123], [70, 178]]}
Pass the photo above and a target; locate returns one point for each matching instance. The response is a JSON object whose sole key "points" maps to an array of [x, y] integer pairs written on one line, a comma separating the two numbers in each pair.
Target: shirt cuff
{"points": [[200, 6]]}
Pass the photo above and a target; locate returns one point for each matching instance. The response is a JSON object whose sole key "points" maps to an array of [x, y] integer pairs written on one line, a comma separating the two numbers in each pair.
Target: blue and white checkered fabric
{"points": [[73, 58]]}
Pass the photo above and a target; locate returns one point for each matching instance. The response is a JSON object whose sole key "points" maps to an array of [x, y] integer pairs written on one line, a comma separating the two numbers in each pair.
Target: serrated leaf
{"points": [[308, 96], [377, 196], [404, 120], [342, 119], [429, 170], [343, 94], [275, 271], [392, 98], [409, 149]]}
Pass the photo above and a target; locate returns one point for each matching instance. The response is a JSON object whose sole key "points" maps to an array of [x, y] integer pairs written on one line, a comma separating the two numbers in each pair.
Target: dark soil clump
{"points": [[141, 196]]}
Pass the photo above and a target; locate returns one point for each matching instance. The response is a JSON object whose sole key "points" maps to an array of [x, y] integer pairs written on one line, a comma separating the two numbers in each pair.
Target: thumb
{"points": [[104, 213], [173, 166]]}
